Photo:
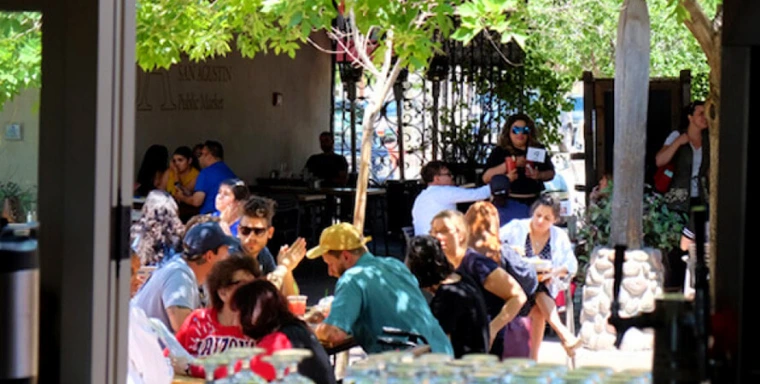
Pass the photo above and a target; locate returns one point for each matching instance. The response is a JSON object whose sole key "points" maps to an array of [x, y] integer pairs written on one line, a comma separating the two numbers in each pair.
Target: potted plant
{"points": [[661, 226], [16, 201]]}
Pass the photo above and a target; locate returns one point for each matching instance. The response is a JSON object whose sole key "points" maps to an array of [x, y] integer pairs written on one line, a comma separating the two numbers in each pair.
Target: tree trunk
{"points": [[709, 36], [631, 100], [368, 131]]}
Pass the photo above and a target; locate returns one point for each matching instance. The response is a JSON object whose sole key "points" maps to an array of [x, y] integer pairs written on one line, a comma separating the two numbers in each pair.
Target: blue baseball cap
{"points": [[499, 185], [205, 237]]}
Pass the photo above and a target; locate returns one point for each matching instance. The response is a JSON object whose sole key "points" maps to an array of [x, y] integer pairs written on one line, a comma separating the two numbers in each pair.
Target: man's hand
{"points": [[290, 256]]}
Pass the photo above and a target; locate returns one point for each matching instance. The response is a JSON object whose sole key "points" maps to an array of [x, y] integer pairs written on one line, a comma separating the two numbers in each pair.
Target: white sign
{"points": [[537, 155], [564, 208]]}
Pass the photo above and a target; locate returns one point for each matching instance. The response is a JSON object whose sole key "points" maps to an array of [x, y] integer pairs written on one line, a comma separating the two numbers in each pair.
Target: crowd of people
{"points": [[491, 275]]}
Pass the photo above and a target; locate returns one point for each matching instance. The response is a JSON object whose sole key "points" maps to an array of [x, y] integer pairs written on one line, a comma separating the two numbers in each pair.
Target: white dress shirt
{"points": [[437, 198]]}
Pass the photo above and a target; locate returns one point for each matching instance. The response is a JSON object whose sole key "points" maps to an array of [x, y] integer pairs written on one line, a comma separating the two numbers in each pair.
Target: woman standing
{"points": [[152, 174], [230, 199], [502, 293], [517, 142], [539, 237]]}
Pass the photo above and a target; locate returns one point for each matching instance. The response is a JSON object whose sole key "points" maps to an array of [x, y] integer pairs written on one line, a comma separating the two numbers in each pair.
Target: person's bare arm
{"points": [[177, 316], [289, 286], [196, 199], [666, 153], [503, 285], [330, 333], [500, 169]]}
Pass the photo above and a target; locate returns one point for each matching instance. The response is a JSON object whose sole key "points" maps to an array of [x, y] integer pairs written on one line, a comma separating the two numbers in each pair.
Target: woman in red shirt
{"points": [[209, 331]]}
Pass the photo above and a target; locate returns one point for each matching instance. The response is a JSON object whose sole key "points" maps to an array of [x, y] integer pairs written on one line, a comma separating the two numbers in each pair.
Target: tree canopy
{"points": [[566, 37]]}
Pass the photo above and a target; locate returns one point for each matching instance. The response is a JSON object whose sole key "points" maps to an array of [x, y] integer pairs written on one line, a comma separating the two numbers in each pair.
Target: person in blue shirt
{"points": [[232, 195], [372, 293], [213, 173]]}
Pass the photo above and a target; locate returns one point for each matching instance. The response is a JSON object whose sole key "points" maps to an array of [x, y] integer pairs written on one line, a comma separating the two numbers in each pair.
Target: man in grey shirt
{"points": [[171, 292]]}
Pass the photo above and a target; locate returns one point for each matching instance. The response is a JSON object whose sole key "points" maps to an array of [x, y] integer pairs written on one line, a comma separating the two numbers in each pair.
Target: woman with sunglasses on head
{"points": [[509, 157], [230, 199], [538, 237]]}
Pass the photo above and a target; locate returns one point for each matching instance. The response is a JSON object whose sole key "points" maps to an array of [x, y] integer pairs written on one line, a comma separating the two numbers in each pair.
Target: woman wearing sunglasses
{"points": [[509, 157]]}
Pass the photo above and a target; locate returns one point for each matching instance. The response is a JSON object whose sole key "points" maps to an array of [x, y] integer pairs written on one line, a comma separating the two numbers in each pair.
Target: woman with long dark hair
{"points": [[230, 199], [510, 157], [152, 174], [264, 315], [182, 172]]}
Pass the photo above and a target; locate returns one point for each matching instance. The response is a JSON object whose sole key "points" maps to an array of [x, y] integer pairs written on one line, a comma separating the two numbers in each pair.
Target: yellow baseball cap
{"points": [[338, 237]]}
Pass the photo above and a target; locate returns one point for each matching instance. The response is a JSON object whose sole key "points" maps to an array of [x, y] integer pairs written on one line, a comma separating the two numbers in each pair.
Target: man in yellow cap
{"points": [[372, 293]]}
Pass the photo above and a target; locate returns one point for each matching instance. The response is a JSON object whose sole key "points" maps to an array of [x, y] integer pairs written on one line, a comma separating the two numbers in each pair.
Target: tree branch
{"points": [[702, 29], [358, 42]]}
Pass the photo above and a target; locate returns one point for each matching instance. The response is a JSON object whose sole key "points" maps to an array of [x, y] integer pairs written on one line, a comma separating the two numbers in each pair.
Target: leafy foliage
{"points": [[20, 53], [662, 226], [21, 198], [463, 142]]}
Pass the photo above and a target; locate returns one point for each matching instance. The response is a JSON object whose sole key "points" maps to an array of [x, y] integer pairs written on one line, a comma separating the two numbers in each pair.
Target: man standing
{"points": [[372, 293], [328, 165], [214, 171], [441, 194], [171, 292]]}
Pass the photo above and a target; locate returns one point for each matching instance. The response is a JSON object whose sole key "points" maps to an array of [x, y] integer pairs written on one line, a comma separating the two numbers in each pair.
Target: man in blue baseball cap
{"points": [[171, 292]]}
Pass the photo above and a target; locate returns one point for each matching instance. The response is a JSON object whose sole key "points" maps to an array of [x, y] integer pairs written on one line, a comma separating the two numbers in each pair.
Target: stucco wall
{"points": [[230, 100], [18, 158]]}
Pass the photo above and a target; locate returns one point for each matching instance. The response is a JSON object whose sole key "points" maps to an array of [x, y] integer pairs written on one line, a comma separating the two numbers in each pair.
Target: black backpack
{"points": [[520, 269]]}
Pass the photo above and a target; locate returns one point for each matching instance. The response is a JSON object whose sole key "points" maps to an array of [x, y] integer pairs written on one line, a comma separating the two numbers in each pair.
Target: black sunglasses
{"points": [[245, 231], [518, 130]]}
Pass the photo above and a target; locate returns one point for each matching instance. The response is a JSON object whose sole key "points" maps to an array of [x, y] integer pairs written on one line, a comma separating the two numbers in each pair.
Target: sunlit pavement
{"points": [[552, 352]]}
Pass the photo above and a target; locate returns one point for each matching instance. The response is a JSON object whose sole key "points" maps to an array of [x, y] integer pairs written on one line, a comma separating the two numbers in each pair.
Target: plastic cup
{"points": [[297, 304]]}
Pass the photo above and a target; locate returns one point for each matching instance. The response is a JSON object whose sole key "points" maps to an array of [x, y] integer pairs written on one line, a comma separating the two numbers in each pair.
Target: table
{"points": [[182, 379], [345, 345]]}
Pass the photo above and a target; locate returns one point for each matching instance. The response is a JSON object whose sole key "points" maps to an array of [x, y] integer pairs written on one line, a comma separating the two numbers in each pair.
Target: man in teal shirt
{"points": [[372, 293]]}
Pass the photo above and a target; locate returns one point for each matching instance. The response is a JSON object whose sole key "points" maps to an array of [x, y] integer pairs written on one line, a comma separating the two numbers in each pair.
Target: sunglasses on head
{"points": [[518, 130], [245, 231]]}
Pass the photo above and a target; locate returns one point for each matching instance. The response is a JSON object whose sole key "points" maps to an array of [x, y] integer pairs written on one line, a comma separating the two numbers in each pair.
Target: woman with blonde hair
{"points": [[503, 295]]}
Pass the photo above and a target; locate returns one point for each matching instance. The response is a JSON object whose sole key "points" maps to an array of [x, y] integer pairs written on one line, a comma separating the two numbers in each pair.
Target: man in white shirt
{"points": [[440, 194]]}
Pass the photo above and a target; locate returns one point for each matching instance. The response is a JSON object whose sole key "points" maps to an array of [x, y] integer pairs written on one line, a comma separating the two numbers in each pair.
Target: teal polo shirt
{"points": [[378, 292]]}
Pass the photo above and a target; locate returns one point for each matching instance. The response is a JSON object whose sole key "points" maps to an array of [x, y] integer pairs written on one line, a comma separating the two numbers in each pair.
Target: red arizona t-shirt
{"points": [[202, 335]]}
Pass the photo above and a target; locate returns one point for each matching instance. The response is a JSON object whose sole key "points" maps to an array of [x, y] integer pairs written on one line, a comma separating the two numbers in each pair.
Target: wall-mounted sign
{"points": [[13, 132]]}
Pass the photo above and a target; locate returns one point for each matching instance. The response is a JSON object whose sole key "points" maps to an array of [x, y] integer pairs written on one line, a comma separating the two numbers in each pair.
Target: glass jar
{"points": [[445, 374], [404, 373], [516, 364], [481, 359], [531, 376], [582, 377]]}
